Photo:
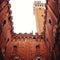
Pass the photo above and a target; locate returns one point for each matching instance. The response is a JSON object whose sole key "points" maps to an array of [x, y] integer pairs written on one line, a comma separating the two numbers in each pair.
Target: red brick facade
{"points": [[28, 46]]}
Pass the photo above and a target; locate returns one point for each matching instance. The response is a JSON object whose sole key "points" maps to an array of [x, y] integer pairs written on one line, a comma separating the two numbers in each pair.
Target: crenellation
{"points": [[28, 36], [3, 5], [38, 4], [4, 11], [43, 45], [10, 12]]}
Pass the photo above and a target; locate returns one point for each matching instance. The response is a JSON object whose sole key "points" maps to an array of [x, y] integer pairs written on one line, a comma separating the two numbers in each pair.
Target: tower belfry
{"points": [[39, 12]]}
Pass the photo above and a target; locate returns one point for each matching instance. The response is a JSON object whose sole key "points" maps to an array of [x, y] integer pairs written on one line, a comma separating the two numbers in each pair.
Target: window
{"points": [[38, 58], [16, 58], [0, 29], [42, 15], [50, 22], [15, 46], [37, 46], [34, 37], [39, 8], [7, 40], [42, 37], [4, 22]]}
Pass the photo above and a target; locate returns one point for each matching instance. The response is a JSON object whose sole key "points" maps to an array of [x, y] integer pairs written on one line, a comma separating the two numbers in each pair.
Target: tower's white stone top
{"points": [[38, 4]]}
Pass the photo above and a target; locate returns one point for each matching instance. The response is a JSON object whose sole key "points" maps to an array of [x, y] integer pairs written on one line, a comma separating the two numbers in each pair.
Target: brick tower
{"points": [[39, 12]]}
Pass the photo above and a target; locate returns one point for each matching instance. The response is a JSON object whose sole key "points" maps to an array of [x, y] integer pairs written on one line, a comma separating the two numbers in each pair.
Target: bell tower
{"points": [[39, 12]]}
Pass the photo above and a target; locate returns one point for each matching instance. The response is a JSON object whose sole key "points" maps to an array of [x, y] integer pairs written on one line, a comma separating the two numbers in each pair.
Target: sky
{"points": [[23, 17]]}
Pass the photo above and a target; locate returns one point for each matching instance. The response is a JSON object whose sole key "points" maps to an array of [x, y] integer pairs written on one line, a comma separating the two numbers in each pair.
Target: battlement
{"points": [[38, 4], [27, 36], [41, 46], [2, 1]]}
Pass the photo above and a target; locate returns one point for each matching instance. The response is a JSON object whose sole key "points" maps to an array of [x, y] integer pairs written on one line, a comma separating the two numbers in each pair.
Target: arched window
{"points": [[4, 22], [50, 21]]}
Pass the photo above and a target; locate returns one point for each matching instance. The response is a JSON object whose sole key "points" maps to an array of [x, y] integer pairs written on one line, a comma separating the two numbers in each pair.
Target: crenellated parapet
{"points": [[28, 36], [6, 24], [26, 45], [44, 45], [38, 5]]}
